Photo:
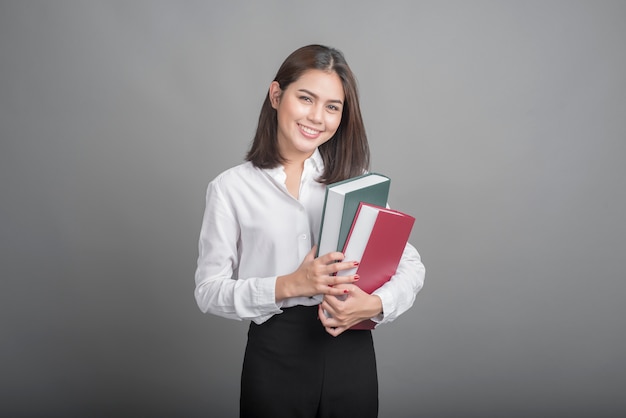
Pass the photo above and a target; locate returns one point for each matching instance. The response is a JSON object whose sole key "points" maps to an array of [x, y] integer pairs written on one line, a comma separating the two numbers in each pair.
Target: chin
{"points": [[308, 151], [307, 148]]}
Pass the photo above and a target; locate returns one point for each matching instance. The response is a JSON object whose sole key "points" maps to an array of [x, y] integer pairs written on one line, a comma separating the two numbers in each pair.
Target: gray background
{"points": [[501, 124]]}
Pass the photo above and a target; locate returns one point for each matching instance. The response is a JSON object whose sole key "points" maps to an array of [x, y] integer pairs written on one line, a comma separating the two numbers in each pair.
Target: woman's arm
{"points": [[218, 290]]}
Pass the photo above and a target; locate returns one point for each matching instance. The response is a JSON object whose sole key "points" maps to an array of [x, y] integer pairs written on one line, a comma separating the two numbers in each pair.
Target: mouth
{"points": [[309, 132]]}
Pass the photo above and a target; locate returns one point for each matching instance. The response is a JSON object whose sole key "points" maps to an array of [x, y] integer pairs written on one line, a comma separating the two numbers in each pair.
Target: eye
{"points": [[334, 108], [306, 99]]}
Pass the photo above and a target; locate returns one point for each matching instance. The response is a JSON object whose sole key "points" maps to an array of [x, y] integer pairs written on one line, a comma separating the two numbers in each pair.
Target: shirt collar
{"points": [[313, 164], [315, 161]]}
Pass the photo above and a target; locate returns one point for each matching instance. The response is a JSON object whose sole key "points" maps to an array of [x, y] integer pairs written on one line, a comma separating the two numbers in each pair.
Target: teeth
{"points": [[309, 130]]}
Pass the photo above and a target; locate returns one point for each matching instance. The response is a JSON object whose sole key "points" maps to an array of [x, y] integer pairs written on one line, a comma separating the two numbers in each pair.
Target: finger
{"points": [[333, 303], [331, 258], [335, 331], [325, 309], [329, 316], [311, 255], [338, 281], [346, 287], [320, 312], [335, 291], [324, 316], [343, 265], [334, 313]]}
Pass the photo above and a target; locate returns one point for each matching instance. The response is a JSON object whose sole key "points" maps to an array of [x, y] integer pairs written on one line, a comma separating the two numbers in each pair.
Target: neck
{"points": [[293, 173]]}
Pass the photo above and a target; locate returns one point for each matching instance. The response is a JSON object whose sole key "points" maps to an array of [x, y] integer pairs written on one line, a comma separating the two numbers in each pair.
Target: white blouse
{"points": [[254, 230]]}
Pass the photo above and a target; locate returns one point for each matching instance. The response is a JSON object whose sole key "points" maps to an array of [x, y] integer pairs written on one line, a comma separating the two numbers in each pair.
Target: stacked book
{"points": [[357, 222]]}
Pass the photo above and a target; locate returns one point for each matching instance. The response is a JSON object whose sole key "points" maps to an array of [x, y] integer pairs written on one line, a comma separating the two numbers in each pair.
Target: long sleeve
{"points": [[218, 290]]}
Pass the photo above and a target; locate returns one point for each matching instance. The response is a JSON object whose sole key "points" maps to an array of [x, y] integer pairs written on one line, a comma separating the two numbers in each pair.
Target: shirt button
{"points": [[303, 236]]}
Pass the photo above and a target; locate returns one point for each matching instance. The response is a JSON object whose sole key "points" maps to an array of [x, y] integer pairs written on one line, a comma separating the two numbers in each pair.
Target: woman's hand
{"points": [[315, 276], [339, 314]]}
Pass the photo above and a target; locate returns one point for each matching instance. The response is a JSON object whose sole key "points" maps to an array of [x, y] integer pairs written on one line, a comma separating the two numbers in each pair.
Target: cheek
{"points": [[334, 122], [292, 111]]}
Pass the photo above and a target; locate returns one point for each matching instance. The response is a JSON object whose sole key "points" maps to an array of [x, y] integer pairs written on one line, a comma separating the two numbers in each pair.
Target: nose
{"points": [[315, 113]]}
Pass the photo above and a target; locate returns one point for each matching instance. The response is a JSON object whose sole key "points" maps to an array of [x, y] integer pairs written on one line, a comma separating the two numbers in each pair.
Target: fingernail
{"points": [[356, 277], [345, 291], [356, 263]]}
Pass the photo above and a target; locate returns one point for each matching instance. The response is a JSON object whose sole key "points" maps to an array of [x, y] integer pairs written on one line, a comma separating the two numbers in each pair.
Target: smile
{"points": [[309, 131]]}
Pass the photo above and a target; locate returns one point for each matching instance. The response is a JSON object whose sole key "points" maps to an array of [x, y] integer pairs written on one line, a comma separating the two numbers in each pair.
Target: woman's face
{"points": [[309, 112]]}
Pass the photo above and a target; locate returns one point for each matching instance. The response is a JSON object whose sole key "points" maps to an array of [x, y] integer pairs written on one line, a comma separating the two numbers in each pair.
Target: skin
{"points": [[309, 113]]}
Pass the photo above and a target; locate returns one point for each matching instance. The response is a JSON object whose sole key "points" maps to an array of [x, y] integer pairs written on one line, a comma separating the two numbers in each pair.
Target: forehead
{"points": [[325, 84]]}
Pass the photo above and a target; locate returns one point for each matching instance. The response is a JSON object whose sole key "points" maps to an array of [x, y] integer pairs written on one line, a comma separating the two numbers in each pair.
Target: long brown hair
{"points": [[347, 153]]}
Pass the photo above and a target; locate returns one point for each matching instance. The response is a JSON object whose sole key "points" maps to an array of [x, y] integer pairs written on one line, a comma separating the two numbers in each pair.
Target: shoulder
{"points": [[235, 174], [229, 188], [239, 180]]}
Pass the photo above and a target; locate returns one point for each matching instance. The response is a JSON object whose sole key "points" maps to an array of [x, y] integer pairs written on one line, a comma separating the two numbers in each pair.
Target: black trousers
{"points": [[293, 368]]}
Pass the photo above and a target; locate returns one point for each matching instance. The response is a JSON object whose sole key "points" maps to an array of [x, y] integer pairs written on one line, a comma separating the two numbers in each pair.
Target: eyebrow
{"points": [[317, 97]]}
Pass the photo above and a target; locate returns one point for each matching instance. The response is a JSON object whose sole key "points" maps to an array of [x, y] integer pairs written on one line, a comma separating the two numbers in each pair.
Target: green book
{"points": [[341, 203]]}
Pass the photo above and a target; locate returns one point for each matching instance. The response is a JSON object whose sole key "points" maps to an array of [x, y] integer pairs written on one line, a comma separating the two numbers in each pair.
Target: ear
{"points": [[275, 94]]}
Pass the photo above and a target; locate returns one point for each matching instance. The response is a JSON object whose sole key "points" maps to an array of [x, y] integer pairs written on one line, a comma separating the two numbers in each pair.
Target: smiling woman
{"points": [[257, 262], [308, 112], [345, 157]]}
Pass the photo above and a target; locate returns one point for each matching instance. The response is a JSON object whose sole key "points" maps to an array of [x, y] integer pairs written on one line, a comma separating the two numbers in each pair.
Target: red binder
{"points": [[377, 239]]}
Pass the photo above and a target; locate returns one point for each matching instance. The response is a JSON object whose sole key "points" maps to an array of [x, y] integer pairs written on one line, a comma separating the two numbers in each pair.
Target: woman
{"points": [[257, 253]]}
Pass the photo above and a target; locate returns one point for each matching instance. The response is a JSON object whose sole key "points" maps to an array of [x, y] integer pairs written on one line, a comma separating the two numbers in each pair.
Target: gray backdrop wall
{"points": [[502, 125]]}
